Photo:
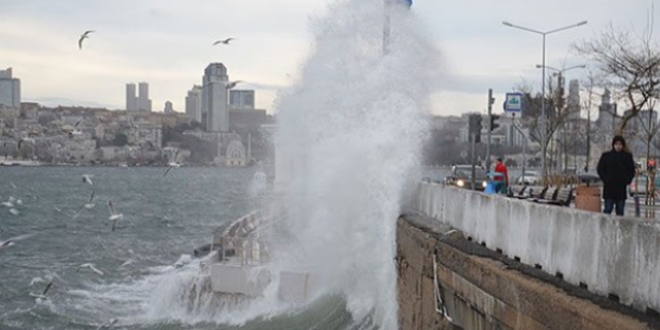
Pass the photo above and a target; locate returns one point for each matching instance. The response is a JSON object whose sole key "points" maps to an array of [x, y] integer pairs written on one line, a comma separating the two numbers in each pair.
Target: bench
{"points": [[536, 192], [563, 197], [548, 197], [517, 191]]}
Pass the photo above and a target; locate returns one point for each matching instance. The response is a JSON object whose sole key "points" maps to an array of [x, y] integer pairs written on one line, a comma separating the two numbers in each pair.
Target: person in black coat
{"points": [[617, 170]]}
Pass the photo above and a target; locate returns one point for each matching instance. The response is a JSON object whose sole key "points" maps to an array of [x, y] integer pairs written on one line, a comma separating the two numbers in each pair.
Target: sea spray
{"points": [[350, 132]]}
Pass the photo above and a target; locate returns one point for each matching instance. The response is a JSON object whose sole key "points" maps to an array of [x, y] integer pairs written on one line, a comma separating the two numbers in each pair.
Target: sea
{"points": [[147, 263], [348, 144]]}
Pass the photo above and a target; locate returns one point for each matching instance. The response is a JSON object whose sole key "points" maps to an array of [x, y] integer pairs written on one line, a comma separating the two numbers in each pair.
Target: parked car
{"points": [[531, 178], [461, 176]]}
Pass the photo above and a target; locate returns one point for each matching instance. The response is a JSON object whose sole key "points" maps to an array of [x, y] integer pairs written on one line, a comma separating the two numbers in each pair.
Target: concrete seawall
{"points": [[610, 256], [448, 282]]}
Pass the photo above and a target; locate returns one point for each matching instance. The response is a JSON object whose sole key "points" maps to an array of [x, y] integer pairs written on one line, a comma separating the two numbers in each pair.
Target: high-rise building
{"points": [[131, 98], [10, 89], [144, 103], [214, 98], [194, 104], [607, 114], [168, 108], [573, 100], [241, 99]]}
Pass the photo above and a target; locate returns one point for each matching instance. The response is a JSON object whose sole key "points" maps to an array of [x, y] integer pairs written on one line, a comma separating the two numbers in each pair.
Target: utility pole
{"points": [[490, 121], [474, 146], [591, 92]]}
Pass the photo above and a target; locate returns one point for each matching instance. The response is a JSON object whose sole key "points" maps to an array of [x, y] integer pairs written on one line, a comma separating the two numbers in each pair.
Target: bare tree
{"points": [[631, 66], [556, 114]]}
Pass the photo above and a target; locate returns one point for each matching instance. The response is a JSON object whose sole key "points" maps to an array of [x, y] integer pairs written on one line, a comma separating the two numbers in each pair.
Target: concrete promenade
{"points": [[616, 258]]}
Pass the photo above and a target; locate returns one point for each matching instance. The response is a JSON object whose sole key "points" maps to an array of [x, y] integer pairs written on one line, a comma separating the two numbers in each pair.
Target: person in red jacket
{"points": [[503, 180]]}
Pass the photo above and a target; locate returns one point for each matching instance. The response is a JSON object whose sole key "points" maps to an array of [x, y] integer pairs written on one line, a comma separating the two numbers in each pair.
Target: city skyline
{"points": [[137, 41]]}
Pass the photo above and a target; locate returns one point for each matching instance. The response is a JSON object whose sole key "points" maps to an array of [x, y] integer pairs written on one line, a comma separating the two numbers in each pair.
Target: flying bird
{"points": [[87, 178], [83, 37], [225, 42], [169, 168], [173, 163], [89, 205], [47, 278], [11, 242], [43, 294], [114, 216], [91, 267], [233, 84]]}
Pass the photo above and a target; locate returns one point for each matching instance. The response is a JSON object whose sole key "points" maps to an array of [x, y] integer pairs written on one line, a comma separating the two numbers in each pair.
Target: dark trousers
{"points": [[610, 204]]}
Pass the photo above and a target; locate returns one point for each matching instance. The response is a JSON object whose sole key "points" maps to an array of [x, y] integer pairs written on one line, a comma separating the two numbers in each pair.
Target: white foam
{"points": [[352, 126], [351, 132]]}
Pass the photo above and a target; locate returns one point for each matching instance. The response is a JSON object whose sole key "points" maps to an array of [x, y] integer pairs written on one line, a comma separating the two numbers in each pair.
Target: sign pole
{"points": [[474, 145], [490, 120]]}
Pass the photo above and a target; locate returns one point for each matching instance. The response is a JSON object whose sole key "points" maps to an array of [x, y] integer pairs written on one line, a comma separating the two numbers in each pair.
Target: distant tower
{"points": [[168, 108], [10, 89], [606, 114], [131, 99], [214, 98], [573, 100], [144, 103], [194, 104]]}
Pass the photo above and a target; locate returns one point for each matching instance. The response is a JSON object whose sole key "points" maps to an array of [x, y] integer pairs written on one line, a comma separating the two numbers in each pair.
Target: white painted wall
{"points": [[612, 255]]}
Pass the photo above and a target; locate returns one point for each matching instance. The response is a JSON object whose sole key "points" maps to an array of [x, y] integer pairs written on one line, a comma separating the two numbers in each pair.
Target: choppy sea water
{"points": [[144, 264]]}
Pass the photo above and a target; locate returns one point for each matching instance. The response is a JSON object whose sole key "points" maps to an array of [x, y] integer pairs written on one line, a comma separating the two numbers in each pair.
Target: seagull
{"points": [[172, 163], [90, 266], [77, 123], [108, 324], [89, 205], [168, 170], [233, 84], [127, 262], [226, 41], [37, 280], [83, 37], [87, 178], [114, 216], [10, 242], [43, 294]]}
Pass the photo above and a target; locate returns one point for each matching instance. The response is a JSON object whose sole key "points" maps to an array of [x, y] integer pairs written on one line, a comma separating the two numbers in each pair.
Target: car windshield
{"points": [[466, 172]]}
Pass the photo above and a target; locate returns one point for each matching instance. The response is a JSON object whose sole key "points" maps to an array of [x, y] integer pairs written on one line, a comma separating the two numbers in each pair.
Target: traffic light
{"points": [[493, 122], [474, 127]]}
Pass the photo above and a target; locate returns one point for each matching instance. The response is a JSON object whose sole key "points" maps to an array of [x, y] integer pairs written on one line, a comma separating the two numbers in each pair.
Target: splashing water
{"points": [[350, 132]]}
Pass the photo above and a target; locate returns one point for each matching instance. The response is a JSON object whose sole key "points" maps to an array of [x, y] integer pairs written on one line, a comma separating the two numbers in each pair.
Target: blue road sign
{"points": [[513, 103]]}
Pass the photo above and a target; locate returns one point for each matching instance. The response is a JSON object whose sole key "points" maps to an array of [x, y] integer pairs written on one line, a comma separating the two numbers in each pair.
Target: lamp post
{"points": [[560, 90], [543, 119]]}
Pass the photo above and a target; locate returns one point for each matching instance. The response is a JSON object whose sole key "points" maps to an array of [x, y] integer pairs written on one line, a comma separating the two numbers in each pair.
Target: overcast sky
{"points": [[167, 43]]}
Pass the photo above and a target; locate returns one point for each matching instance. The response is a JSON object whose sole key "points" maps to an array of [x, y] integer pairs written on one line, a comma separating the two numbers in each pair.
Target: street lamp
{"points": [[560, 89], [543, 119], [560, 71]]}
